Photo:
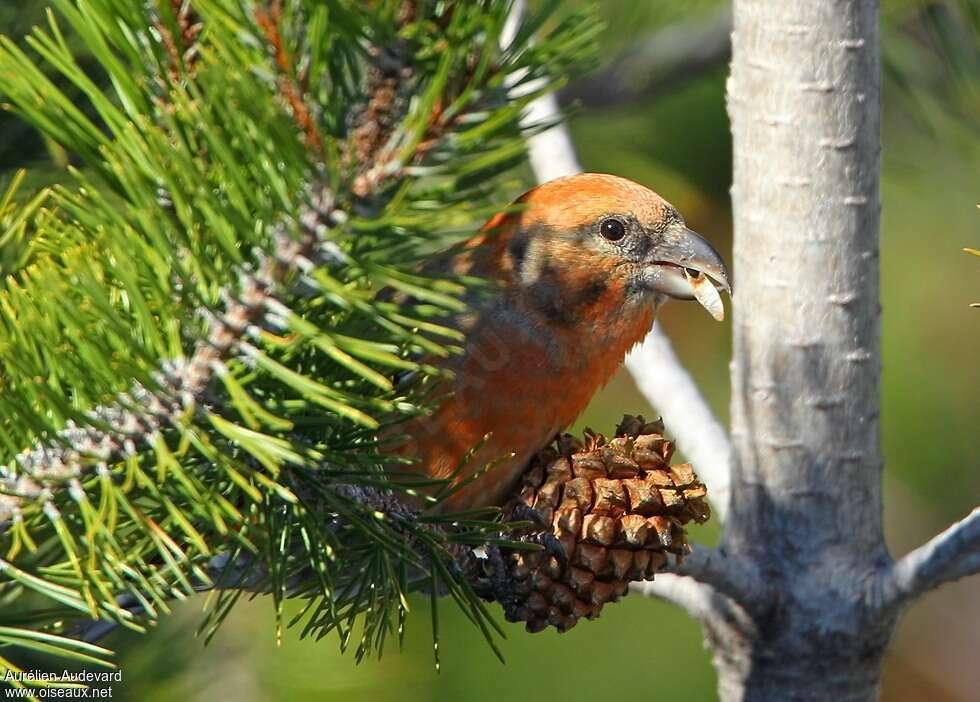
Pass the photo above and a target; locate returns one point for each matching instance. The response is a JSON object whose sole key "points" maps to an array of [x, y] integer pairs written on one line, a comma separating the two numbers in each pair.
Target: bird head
{"points": [[577, 241]]}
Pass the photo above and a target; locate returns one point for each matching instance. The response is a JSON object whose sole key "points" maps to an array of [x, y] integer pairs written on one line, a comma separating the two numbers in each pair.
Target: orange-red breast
{"points": [[580, 270]]}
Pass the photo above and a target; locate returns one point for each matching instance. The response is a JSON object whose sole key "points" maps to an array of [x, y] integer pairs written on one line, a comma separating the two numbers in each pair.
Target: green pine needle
{"points": [[195, 364]]}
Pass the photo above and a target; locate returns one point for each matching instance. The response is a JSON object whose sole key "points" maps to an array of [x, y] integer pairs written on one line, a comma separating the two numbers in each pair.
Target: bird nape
{"points": [[578, 270]]}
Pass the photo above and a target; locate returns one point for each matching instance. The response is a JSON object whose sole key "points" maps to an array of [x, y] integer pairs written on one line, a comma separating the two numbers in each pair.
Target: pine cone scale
{"points": [[617, 508]]}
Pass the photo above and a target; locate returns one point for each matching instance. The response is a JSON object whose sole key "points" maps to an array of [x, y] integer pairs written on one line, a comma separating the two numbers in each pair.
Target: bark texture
{"points": [[800, 599], [806, 475]]}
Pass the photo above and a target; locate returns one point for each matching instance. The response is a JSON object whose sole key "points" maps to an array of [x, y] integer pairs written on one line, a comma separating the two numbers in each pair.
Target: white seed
{"points": [[706, 294]]}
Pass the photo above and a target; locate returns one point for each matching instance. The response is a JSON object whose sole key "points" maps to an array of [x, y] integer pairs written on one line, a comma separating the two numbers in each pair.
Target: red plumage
{"points": [[570, 299]]}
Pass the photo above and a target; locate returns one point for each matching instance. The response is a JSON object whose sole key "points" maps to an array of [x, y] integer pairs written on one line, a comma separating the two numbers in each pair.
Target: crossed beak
{"points": [[685, 266]]}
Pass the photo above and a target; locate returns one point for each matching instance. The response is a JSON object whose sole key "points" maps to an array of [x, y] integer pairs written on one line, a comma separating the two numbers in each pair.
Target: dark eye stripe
{"points": [[518, 249]]}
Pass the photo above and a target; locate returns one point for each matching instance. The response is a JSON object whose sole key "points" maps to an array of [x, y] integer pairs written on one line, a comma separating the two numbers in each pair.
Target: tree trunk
{"points": [[801, 597], [806, 483]]}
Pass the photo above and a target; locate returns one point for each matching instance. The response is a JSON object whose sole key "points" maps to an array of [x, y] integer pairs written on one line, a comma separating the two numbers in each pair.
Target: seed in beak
{"points": [[705, 293]]}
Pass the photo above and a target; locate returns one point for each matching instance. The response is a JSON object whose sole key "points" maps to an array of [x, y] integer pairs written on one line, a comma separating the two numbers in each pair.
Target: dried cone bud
{"points": [[616, 507]]}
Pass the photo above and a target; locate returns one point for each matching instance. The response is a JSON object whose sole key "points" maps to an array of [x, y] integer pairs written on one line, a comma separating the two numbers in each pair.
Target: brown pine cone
{"points": [[617, 509]]}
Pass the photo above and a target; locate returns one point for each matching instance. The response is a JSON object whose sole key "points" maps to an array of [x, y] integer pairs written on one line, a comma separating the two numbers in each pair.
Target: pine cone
{"points": [[616, 507]]}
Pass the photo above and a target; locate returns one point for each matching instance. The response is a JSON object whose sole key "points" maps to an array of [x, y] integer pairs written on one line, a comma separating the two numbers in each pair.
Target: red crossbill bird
{"points": [[578, 271]]}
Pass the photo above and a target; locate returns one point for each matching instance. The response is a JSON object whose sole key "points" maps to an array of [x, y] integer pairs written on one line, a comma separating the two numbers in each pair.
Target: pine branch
{"points": [[136, 419], [702, 602], [217, 386], [709, 583], [737, 581], [949, 556]]}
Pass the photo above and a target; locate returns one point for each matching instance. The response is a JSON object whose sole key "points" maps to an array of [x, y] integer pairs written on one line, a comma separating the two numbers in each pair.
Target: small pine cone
{"points": [[616, 508]]}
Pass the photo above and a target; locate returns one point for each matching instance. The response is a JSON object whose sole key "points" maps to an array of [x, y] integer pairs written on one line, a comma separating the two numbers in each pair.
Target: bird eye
{"points": [[612, 229]]}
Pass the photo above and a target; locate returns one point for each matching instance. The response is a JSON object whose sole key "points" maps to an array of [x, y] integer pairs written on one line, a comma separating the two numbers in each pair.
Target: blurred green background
{"points": [[671, 133]]}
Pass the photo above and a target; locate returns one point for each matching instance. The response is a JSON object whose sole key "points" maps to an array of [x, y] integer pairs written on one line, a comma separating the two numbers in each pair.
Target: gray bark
{"points": [[806, 478], [801, 598]]}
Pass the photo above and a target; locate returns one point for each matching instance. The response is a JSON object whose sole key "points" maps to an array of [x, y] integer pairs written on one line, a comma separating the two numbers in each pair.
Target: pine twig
{"points": [[137, 416], [949, 556], [737, 581], [181, 50], [374, 124], [292, 93]]}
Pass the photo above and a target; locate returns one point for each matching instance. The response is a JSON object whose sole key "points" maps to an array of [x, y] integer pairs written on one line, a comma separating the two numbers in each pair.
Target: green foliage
{"points": [[194, 365], [14, 220], [932, 58]]}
